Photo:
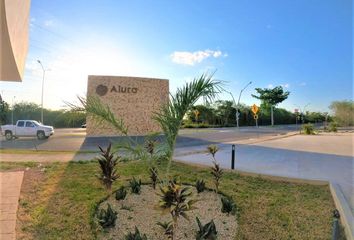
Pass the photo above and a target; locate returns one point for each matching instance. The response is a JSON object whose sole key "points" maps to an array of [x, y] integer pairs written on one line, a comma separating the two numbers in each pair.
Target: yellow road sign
{"points": [[255, 116], [254, 109]]}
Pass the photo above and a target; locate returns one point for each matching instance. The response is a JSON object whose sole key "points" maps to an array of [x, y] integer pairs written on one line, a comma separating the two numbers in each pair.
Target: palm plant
{"points": [[108, 163], [171, 115]]}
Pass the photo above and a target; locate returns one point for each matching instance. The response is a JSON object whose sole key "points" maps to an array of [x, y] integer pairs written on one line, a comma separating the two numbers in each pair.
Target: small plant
{"points": [[168, 228], [333, 127], [176, 200], [213, 149], [135, 185], [217, 173], [208, 231], [153, 176], [228, 206], [107, 218], [200, 185], [121, 193], [308, 129], [108, 163], [135, 236]]}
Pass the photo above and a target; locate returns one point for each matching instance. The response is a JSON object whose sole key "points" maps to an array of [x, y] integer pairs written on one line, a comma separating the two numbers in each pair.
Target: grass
{"points": [[61, 204]]}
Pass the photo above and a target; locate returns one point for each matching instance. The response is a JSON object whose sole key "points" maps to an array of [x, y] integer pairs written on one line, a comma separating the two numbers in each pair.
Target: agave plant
{"points": [[135, 185], [107, 218], [207, 231], [177, 200], [121, 193], [168, 228], [200, 185], [228, 206], [108, 163], [135, 236], [171, 115]]}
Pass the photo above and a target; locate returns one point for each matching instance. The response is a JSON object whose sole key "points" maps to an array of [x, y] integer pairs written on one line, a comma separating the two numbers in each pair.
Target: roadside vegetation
{"points": [[60, 202]]}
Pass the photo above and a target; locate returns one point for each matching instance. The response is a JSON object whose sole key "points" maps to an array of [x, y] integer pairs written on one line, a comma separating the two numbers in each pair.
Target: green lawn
{"points": [[58, 203]]}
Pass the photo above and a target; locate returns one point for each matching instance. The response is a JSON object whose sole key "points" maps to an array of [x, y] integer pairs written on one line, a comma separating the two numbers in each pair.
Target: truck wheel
{"points": [[40, 135], [8, 135]]}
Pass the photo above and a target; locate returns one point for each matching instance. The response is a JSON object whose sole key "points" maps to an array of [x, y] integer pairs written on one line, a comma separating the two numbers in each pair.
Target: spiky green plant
{"points": [[135, 236], [135, 185], [153, 176], [200, 185], [121, 193], [168, 228], [228, 206], [107, 218], [207, 231], [171, 114], [108, 163], [176, 200]]}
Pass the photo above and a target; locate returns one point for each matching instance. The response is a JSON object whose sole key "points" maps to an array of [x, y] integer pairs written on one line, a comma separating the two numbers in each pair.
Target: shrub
{"points": [[108, 163], [208, 231], [135, 236], [200, 185], [135, 185], [176, 200], [228, 206], [168, 228], [308, 129], [333, 127], [153, 176], [121, 193], [217, 173], [107, 218], [213, 149]]}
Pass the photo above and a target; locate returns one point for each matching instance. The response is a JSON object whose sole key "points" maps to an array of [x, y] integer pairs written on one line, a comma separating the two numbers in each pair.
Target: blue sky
{"points": [[303, 45]]}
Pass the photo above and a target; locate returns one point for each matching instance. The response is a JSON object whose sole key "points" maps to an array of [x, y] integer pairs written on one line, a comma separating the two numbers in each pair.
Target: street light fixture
{"points": [[238, 102], [44, 70]]}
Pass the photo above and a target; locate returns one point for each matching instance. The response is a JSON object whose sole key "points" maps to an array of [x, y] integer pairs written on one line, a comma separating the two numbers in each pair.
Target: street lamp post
{"points": [[44, 70], [302, 111], [238, 102]]}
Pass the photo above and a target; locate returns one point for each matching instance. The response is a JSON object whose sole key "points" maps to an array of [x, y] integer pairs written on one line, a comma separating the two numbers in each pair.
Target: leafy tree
{"points": [[225, 111], [271, 97], [343, 112], [4, 111]]}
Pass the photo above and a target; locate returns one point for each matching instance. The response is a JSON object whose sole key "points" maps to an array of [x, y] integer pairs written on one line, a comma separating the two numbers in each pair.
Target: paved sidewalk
{"points": [[10, 183]]}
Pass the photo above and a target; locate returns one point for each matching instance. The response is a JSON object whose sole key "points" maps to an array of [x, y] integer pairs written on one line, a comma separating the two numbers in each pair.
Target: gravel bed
{"points": [[142, 211]]}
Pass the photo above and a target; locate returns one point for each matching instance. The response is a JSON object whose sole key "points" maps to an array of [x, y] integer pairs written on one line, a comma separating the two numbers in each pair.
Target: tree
{"points": [[4, 110], [271, 97], [343, 112]]}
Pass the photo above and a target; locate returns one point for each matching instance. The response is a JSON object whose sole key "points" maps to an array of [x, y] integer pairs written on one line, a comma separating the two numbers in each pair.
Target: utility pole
{"points": [[238, 103], [44, 70]]}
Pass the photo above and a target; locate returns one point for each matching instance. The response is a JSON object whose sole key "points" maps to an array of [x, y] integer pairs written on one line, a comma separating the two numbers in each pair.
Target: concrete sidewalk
{"points": [[10, 183]]}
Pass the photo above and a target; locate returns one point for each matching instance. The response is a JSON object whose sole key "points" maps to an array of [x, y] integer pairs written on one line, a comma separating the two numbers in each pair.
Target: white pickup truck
{"points": [[27, 128]]}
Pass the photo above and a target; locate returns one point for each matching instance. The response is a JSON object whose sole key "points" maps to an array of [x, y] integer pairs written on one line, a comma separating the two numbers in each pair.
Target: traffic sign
{"points": [[254, 109], [255, 116]]}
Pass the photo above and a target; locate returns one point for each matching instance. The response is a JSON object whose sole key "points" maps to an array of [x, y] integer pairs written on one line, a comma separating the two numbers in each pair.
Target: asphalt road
{"points": [[75, 139]]}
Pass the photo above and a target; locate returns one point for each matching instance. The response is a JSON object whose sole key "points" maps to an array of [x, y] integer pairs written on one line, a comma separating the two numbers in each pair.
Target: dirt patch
{"points": [[141, 211]]}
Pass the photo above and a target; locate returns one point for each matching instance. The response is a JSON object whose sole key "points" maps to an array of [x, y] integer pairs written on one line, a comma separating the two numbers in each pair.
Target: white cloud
{"points": [[270, 86], [303, 84], [48, 23], [286, 85], [191, 58]]}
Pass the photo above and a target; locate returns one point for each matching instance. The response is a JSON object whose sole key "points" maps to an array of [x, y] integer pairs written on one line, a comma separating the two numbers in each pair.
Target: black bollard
{"points": [[233, 157]]}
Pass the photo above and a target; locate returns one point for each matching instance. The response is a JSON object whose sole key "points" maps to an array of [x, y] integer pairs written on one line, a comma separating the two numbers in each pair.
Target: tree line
{"points": [[32, 111]]}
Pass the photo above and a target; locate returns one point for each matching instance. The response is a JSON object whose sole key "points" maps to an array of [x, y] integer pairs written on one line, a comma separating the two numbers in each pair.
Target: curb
{"points": [[346, 215]]}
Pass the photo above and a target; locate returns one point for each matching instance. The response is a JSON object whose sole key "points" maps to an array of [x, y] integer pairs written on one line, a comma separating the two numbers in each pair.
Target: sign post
{"points": [[255, 110]]}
